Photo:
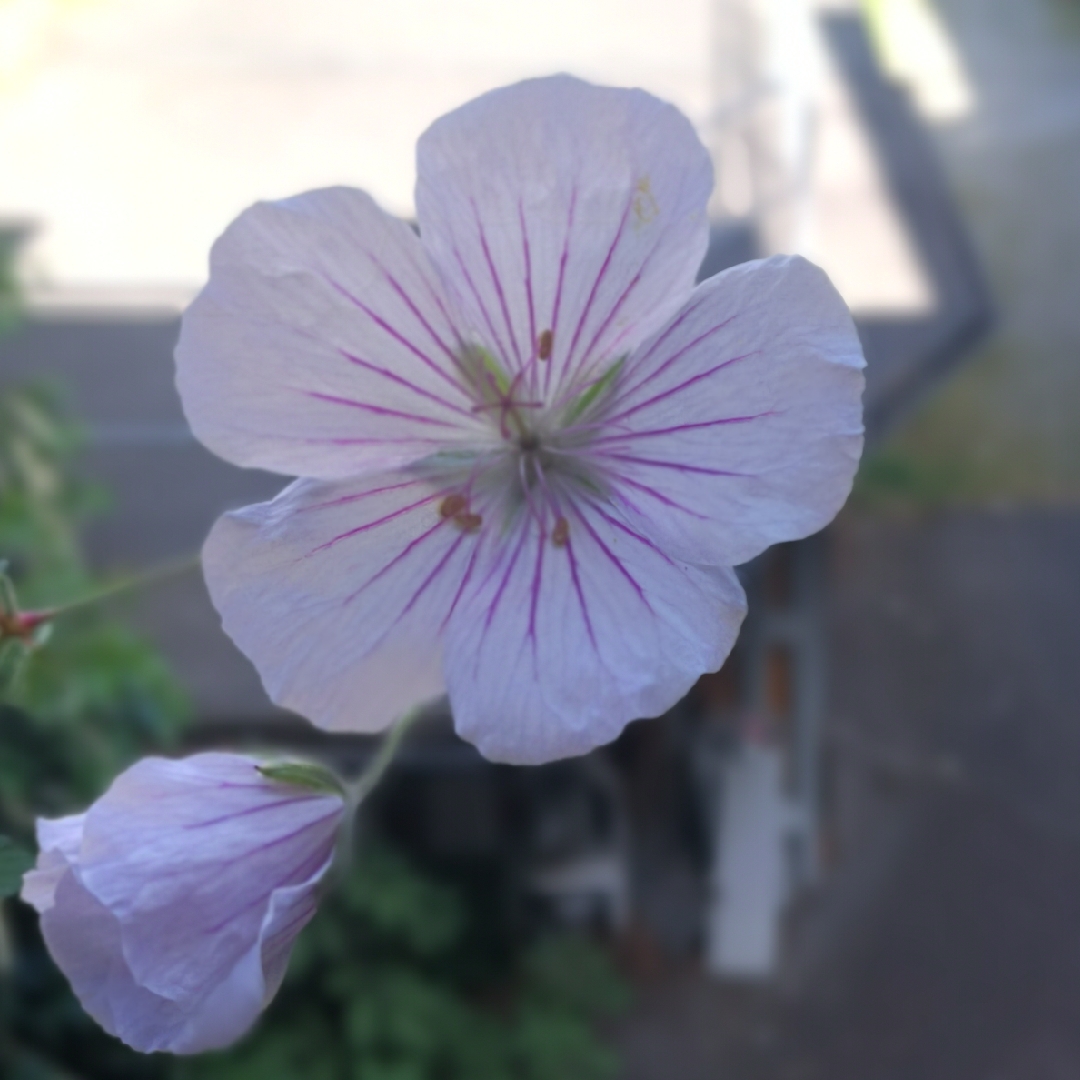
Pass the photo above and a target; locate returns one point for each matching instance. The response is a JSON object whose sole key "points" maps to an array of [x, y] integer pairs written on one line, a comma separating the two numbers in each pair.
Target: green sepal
{"points": [[578, 406], [14, 862], [303, 774]]}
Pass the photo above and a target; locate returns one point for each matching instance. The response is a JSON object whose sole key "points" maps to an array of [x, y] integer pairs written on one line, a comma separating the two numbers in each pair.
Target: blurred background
{"points": [[854, 853]]}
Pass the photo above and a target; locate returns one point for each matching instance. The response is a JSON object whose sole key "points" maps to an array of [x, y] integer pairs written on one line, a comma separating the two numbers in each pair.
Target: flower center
{"points": [[541, 463]]}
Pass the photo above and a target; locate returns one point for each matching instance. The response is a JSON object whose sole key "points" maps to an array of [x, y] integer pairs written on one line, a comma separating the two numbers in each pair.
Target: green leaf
{"points": [[303, 774], [14, 862], [593, 392]]}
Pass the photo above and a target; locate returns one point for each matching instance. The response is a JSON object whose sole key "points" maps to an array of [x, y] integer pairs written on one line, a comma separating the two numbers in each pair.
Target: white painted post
{"points": [[750, 880]]}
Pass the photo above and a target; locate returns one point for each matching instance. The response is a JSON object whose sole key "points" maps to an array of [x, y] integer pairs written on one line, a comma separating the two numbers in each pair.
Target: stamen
{"points": [[544, 347], [469, 522], [560, 535], [452, 505]]}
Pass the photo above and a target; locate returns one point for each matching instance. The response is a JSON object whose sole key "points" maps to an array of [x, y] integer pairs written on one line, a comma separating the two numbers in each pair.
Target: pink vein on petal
{"points": [[371, 525], [557, 304], [343, 500], [495, 339], [465, 578], [273, 802], [272, 943], [407, 300], [627, 391], [394, 333], [675, 429], [601, 274], [378, 410], [356, 441], [436, 571], [534, 590], [499, 292], [643, 540], [660, 497], [677, 465], [308, 864], [527, 255], [612, 557], [405, 551], [501, 590], [677, 389], [576, 578], [617, 307], [401, 381]]}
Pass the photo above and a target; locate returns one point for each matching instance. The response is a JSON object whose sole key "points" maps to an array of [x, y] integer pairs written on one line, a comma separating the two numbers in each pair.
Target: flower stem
{"points": [[126, 584], [359, 789], [365, 783]]}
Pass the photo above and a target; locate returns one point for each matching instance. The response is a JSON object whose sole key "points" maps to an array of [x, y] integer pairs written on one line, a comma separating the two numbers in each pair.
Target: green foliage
{"points": [[78, 711], [893, 477], [80, 698], [9, 288], [380, 988], [14, 862]]}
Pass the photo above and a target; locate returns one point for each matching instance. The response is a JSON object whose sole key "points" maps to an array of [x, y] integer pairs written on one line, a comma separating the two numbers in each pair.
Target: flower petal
{"points": [[739, 424], [554, 649], [186, 855], [58, 843], [290, 910], [554, 205], [338, 592], [322, 344], [85, 940]]}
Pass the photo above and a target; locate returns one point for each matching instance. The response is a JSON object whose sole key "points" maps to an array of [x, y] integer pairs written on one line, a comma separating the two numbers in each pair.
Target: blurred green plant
{"points": [[72, 715], [10, 239], [383, 986], [891, 476], [78, 711]]}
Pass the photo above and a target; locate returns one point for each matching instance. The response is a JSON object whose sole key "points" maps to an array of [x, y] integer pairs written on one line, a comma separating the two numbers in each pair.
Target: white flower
{"points": [[532, 450]]}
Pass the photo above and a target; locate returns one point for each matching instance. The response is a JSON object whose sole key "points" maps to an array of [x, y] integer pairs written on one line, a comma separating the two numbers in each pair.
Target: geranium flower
{"points": [[532, 450], [172, 904]]}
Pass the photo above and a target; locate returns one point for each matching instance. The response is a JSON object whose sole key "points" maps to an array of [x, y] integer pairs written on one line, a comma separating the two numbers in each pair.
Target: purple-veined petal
{"points": [[554, 649], [58, 843], [214, 828], [739, 423], [554, 205], [182, 891], [85, 940], [322, 345], [337, 593], [291, 908]]}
